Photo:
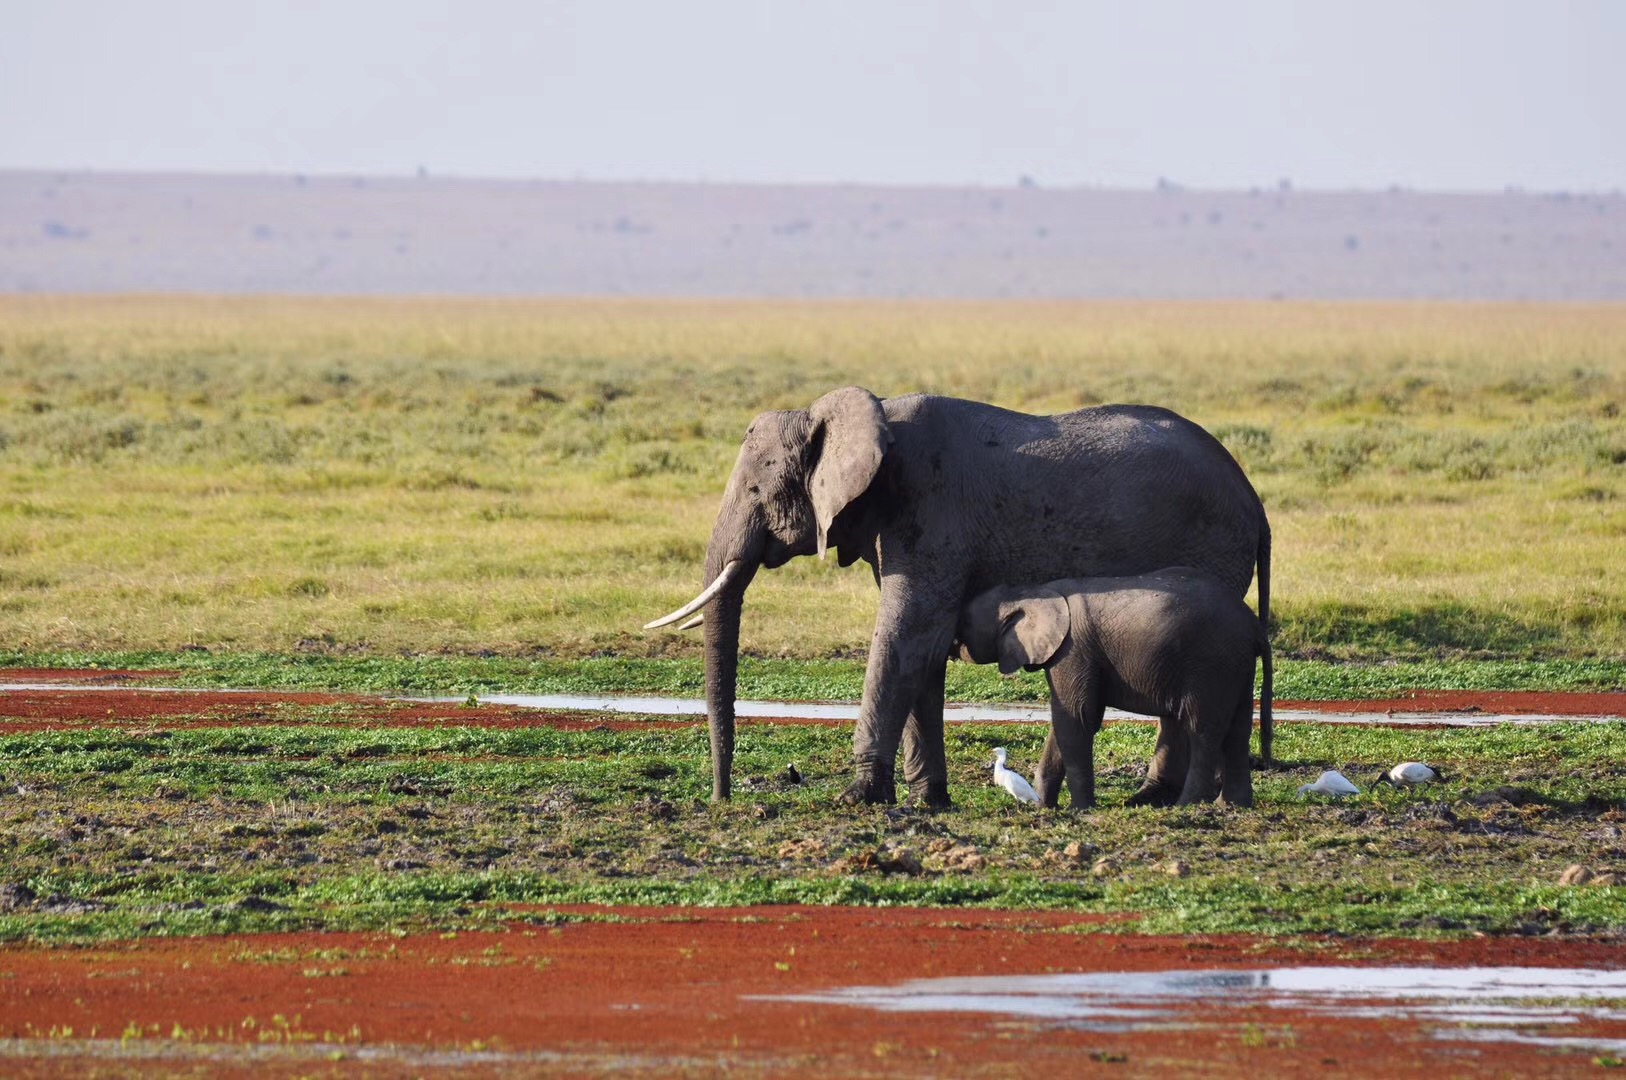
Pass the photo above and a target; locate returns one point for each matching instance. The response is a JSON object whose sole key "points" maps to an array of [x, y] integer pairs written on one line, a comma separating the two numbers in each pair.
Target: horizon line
{"points": [[1163, 185]]}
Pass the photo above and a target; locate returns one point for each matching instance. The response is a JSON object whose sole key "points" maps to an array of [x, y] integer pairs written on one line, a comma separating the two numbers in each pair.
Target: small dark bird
{"points": [[1409, 773], [791, 774]]}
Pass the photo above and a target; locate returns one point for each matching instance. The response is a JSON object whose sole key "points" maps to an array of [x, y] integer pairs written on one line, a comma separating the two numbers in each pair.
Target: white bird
{"points": [[1408, 773], [1332, 782], [1012, 782]]}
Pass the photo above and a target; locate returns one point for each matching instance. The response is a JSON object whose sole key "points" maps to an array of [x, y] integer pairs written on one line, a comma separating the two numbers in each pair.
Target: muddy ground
{"points": [[113, 704], [690, 990]]}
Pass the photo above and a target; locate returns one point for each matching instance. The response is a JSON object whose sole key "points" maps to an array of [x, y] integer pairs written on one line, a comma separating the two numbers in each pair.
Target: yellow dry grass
{"points": [[253, 473]]}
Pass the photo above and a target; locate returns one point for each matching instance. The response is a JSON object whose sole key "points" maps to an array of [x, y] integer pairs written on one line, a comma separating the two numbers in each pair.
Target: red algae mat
{"points": [[47, 710], [1470, 702], [698, 991], [69, 702]]}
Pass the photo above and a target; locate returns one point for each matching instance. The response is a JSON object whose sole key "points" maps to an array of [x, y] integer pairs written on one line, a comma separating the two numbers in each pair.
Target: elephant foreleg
{"points": [[906, 666], [1051, 770], [925, 766], [1074, 734]]}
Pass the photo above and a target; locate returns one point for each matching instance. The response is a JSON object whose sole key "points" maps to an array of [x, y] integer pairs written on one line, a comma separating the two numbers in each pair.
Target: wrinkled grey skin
{"points": [[1178, 644], [944, 498]]}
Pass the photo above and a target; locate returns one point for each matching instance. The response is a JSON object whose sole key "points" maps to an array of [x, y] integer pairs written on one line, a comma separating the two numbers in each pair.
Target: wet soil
{"points": [[80, 676], [1490, 702], [45, 709], [51, 709], [683, 990]]}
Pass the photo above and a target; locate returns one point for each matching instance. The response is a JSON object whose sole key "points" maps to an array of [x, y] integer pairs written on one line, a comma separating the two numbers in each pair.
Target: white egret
{"points": [[1333, 783], [1012, 782], [1408, 773]]}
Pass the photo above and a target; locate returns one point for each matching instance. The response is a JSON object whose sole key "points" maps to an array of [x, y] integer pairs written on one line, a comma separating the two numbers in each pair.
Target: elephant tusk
{"points": [[718, 584], [694, 622]]}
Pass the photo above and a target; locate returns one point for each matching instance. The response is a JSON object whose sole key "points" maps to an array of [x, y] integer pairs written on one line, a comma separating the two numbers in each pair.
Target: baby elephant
{"points": [[1176, 644]]}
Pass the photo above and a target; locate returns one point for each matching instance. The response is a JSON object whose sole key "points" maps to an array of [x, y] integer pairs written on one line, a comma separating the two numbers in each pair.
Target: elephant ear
{"points": [[1031, 629], [852, 434]]}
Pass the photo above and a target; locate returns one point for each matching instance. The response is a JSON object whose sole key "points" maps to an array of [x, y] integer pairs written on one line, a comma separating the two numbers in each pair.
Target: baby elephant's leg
{"points": [[1166, 776], [1207, 735], [1237, 789], [1048, 774], [1074, 733]]}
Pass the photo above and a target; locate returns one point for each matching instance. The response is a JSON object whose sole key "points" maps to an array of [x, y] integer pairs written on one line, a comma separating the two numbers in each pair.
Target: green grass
{"points": [[329, 821], [763, 677], [377, 477], [455, 497]]}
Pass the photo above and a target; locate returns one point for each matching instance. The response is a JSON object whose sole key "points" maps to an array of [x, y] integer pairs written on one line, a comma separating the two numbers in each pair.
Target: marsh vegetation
{"points": [[289, 816]]}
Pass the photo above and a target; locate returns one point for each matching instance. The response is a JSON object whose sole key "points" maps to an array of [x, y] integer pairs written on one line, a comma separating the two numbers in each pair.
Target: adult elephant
{"points": [[945, 498]]}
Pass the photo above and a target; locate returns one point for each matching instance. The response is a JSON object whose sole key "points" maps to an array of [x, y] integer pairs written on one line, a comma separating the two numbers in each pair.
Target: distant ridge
{"points": [[104, 232]]}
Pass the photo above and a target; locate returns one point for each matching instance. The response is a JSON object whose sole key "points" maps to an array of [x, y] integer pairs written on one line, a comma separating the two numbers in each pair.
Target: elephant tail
{"points": [[1267, 727], [1267, 688], [1262, 561]]}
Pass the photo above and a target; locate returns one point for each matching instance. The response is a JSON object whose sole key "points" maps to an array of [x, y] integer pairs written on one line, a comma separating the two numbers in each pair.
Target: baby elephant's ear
{"points": [[1031, 629]]}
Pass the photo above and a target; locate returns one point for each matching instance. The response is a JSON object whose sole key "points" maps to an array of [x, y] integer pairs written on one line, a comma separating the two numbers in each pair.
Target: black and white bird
{"points": [[1332, 783], [791, 775], [1012, 782], [1409, 774]]}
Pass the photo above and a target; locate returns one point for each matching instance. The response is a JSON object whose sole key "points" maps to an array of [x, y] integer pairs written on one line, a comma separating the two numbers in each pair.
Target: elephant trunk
{"points": [[738, 562]]}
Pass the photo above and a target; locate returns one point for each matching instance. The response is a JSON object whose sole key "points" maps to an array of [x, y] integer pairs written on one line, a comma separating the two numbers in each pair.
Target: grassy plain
{"points": [[537, 479], [317, 817], [473, 496]]}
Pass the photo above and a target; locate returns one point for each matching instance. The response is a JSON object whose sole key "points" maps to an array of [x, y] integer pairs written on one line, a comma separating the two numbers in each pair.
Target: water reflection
{"points": [[1487, 997], [840, 710]]}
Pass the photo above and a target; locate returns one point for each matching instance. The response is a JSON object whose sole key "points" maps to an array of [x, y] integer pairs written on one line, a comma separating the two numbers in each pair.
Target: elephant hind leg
{"points": [[1237, 788], [1154, 794], [1166, 775], [1203, 773]]}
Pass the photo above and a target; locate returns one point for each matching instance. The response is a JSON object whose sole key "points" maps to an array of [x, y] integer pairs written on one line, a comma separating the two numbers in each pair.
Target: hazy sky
{"points": [[1436, 94]]}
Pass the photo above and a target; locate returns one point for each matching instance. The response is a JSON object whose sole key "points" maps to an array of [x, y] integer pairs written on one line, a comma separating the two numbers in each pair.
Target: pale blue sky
{"points": [[1433, 94]]}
